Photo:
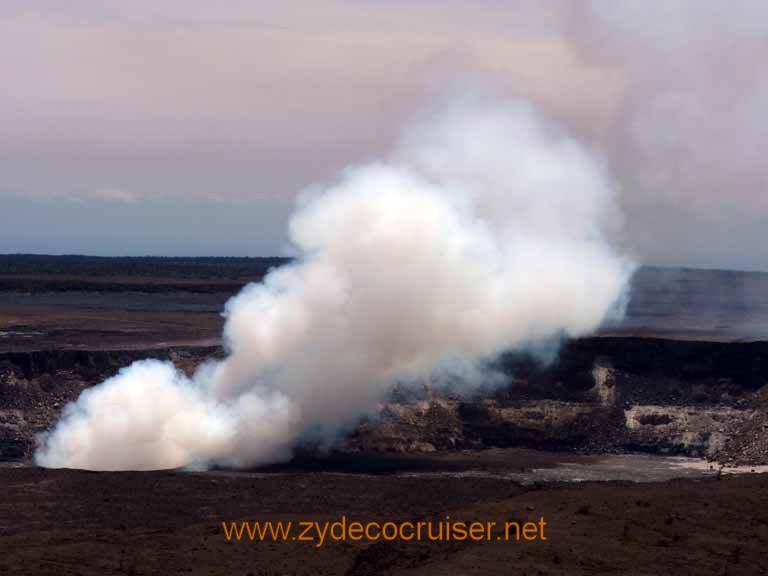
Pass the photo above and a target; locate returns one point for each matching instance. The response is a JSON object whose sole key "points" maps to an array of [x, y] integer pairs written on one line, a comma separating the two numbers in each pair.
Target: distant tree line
{"points": [[208, 267]]}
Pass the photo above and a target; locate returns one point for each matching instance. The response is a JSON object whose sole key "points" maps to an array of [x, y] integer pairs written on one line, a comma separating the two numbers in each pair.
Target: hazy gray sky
{"points": [[188, 127]]}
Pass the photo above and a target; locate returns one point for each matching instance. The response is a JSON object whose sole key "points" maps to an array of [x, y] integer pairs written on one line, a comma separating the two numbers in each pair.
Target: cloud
{"points": [[484, 231], [115, 195]]}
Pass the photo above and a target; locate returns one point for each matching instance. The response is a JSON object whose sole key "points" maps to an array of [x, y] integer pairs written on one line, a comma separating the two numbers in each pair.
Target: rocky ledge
{"points": [[601, 394]]}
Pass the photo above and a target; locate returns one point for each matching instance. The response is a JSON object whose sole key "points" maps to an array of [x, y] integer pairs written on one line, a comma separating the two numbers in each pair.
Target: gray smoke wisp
{"points": [[483, 231], [687, 135]]}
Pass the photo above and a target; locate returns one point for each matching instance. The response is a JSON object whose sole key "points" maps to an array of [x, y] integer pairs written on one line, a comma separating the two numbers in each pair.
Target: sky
{"points": [[187, 127]]}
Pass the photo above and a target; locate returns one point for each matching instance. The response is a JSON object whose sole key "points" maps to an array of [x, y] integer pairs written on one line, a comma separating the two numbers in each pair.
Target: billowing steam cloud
{"points": [[482, 232]]}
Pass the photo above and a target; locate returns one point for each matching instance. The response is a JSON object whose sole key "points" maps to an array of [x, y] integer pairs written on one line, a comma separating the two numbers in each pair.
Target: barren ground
{"points": [[73, 522]]}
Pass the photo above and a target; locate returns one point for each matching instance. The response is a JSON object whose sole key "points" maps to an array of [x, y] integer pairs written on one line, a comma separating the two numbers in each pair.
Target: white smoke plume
{"points": [[484, 231]]}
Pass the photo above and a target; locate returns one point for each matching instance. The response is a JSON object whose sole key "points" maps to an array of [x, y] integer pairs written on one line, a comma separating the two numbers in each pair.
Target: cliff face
{"points": [[602, 394], [35, 386]]}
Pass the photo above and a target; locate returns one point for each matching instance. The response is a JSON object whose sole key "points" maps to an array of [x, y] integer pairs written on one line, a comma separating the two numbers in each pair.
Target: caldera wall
{"points": [[602, 394]]}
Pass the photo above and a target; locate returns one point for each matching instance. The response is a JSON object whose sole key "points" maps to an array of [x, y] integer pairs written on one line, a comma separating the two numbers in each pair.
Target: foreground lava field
{"points": [[684, 373], [73, 522]]}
